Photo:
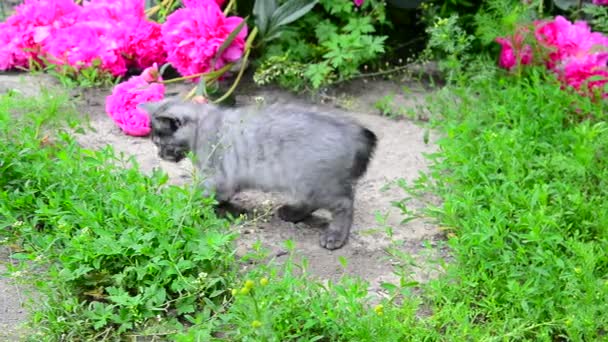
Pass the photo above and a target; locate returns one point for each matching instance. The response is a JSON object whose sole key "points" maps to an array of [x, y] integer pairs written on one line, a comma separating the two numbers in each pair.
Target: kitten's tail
{"points": [[364, 153]]}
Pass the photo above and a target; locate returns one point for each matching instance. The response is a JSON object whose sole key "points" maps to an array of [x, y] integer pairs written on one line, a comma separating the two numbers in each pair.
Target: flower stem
{"points": [[208, 76], [255, 305], [229, 7], [152, 10], [248, 43]]}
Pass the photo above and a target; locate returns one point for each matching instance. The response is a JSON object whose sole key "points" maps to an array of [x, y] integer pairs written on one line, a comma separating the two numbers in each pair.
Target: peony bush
{"points": [[193, 35], [576, 54], [115, 36]]}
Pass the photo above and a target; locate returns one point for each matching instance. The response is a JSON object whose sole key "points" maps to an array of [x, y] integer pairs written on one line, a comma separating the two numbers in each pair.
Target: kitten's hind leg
{"points": [[295, 213], [339, 228]]}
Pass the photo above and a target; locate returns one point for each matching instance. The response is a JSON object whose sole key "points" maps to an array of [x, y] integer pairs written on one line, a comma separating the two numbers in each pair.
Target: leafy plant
{"points": [[451, 45], [597, 17], [284, 303], [119, 248], [521, 175], [270, 17], [343, 40]]}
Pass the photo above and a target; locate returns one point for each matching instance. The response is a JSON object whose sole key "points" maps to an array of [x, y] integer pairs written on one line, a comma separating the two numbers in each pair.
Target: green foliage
{"points": [[270, 17], [343, 39], [522, 173], [118, 248], [464, 9], [460, 54], [598, 17], [69, 77], [282, 70], [285, 304], [451, 44], [499, 16]]}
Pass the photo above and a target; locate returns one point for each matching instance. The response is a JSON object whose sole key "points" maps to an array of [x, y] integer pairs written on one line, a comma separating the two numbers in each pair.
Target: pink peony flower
{"points": [[600, 2], [113, 10], [81, 45], [587, 74], [577, 55], [513, 52], [358, 3], [566, 40], [198, 3], [192, 37], [32, 22], [144, 45], [121, 105], [122, 26], [11, 53]]}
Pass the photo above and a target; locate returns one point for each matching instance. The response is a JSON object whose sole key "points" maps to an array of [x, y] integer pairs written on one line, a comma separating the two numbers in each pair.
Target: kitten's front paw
{"points": [[333, 239]]}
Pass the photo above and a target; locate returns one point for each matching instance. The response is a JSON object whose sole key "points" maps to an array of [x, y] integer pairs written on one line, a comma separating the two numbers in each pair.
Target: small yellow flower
{"points": [[264, 281], [256, 324], [379, 309], [249, 284], [245, 290], [234, 292]]}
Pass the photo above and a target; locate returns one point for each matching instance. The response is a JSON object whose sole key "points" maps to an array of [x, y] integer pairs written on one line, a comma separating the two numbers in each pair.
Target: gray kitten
{"points": [[314, 158]]}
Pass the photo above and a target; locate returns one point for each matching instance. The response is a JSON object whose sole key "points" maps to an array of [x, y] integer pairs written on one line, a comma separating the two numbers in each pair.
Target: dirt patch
{"points": [[400, 154], [12, 304]]}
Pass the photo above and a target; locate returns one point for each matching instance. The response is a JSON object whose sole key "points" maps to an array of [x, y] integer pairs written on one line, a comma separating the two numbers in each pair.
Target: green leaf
{"points": [[185, 306], [318, 73], [565, 4], [291, 11], [343, 261], [216, 293], [228, 41], [325, 30], [201, 88], [149, 4], [389, 287], [20, 256], [262, 13], [163, 68]]}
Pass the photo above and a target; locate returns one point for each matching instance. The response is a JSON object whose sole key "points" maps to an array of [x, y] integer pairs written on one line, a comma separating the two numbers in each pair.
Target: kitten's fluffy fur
{"points": [[313, 157]]}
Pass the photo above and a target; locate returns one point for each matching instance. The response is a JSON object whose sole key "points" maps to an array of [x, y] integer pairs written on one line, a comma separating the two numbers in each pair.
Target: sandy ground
{"points": [[400, 154]]}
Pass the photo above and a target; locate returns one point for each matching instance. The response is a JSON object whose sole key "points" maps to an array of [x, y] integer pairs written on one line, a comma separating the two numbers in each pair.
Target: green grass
{"points": [[119, 248], [523, 174], [522, 171]]}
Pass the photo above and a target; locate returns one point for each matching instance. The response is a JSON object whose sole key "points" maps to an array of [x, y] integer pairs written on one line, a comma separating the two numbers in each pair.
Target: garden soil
{"points": [[400, 155]]}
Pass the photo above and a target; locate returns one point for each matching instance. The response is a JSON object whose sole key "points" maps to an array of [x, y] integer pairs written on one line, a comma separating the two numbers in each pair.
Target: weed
{"points": [[385, 105], [522, 174], [344, 38], [121, 250], [284, 303]]}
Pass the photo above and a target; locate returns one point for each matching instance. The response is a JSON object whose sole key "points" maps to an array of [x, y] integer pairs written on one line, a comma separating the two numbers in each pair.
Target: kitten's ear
{"points": [[163, 120], [166, 122], [150, 107]]}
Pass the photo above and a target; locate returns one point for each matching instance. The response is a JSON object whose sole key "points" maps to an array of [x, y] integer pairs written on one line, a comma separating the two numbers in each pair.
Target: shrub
{"points": [[343, 40]]}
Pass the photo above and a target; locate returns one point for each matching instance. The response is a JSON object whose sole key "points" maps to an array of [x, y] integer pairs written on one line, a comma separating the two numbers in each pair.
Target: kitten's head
{"points": [[173, 125]]}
